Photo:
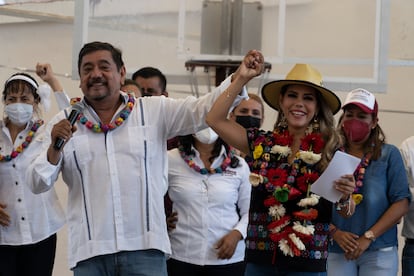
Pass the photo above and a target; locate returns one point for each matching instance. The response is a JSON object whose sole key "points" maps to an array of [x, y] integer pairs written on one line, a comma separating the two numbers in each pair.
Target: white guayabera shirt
{"points": [[117, 180]]}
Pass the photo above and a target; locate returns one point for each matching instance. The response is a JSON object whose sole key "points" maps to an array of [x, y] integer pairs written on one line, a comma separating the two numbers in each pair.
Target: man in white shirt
{"points": [[115, 165], [407, 260]]}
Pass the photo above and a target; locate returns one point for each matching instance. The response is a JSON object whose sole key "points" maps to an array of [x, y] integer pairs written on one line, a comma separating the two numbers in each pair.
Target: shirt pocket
{"points": [[139, 143], [80, 146]]}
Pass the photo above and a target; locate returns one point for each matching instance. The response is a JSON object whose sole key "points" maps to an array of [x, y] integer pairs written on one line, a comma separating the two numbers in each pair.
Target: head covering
{"points": [[23, 78], [302, 74], [363, 99], [43, 90]]}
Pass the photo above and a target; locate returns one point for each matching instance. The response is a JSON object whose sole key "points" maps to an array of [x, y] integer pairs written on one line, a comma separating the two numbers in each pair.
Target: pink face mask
{"points": [[355, 130]]}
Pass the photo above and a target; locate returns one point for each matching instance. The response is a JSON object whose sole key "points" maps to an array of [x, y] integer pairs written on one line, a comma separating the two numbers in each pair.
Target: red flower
{"points": [[281, 235], [306, 214], [305, 180], [259, 140], [295, 249], [277, 223], [283, 139], [303, 237], [313, 142], [277, 177], [270, 201], [294, 193], [278, 236]]}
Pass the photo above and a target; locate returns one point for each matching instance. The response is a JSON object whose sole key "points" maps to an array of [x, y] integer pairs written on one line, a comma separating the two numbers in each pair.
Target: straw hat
{"points": [[302, 74]]}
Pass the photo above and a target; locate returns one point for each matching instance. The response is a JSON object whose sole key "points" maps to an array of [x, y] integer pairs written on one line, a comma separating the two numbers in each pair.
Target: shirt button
{"points": [[22, 218], [17, 183], [14, 165], [19, 200]]}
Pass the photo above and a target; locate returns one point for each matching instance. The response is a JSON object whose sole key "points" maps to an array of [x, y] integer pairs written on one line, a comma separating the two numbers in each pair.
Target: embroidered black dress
{"points": [[260, 248]]}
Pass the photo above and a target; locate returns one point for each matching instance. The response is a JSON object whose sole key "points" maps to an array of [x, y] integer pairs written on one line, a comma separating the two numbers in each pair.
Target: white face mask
{"points": [[206, 136], [19, 113]]}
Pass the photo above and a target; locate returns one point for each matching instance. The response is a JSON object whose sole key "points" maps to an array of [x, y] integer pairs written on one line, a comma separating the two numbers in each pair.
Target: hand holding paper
{"points": [[341, 164]]}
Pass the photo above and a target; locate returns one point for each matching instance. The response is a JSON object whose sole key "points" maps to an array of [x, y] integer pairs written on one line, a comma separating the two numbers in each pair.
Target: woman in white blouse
{"points": [[28, 222], [210, 190]]}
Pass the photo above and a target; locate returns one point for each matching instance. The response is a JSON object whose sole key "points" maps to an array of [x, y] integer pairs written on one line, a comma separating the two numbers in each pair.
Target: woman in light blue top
{"points": [[366, 243]]}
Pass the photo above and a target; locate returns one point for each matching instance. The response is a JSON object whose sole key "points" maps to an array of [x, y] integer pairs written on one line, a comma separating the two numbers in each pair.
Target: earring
{"points": [[282, 124], [314, 126]]}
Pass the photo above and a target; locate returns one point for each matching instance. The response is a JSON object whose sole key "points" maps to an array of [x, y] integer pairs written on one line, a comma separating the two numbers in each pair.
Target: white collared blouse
{"points": [[33, 218], [209, 206]]}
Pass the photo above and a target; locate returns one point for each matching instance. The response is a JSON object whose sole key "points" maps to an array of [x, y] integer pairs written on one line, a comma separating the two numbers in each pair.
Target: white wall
{"points": [[25, 44]]}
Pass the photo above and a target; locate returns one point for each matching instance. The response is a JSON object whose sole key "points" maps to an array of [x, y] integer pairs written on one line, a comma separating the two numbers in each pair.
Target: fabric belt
{"points": [[409, 241]]}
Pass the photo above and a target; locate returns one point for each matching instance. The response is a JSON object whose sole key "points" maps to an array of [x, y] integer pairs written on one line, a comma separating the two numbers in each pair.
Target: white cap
{"points": [[363, 99]]}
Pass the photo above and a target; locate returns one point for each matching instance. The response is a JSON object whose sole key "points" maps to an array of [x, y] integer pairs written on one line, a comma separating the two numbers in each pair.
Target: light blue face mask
{"points": [[19, 113]]}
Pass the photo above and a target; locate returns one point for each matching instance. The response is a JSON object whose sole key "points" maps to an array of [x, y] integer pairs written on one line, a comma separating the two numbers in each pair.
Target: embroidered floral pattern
{"points": [[287, 183]]}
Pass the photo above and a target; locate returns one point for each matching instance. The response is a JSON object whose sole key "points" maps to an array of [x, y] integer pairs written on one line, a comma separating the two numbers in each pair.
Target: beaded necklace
{"points": [[359, 176], [190, 162], [119, 120], [24, 145], [360, 170]]}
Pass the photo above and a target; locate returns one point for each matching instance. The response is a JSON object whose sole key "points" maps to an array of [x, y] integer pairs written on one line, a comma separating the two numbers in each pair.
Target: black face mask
{"points": [[248, 121]]}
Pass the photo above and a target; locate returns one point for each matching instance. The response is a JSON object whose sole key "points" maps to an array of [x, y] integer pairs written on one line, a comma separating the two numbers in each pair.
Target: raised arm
{"points": [[45, 72], [230, 131]]}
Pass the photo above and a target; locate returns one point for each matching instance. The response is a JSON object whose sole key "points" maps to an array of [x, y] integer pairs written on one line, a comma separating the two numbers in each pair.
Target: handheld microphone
{"points": [[73, 116]]}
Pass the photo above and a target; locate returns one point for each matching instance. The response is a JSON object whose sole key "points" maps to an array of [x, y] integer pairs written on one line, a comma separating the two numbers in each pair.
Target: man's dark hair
{"points": [[98, 46], [150, 72]]}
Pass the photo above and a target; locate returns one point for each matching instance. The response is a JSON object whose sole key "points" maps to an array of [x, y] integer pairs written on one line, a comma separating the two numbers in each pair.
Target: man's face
{"points": [[150, 86], [99, 76]]}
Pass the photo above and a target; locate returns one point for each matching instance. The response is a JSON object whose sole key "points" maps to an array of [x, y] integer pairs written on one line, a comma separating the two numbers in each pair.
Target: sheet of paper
{"points": [[341, 164]]}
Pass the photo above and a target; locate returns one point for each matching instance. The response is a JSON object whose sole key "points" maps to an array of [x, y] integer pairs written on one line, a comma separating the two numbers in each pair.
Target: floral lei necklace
{"points": [[119, 120], [24, 145], [285, 183], [190, 162]]}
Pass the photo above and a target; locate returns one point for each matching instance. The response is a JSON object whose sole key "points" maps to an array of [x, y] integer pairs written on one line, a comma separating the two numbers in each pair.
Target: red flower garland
{"points": [[284, 186]]}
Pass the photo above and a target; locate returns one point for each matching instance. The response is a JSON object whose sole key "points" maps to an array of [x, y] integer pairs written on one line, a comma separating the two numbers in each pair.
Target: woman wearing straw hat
{"points": [[382, 195], [288, 229]]}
